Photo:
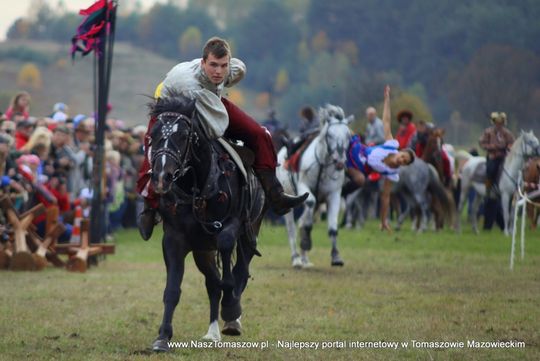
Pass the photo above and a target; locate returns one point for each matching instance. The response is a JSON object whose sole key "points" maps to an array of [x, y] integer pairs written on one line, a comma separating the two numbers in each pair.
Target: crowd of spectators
{"points": [[48, 160]]}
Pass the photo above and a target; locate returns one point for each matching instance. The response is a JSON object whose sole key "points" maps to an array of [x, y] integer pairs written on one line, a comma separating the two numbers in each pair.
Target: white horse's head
{"points": [[335, 133], [530, 146]]}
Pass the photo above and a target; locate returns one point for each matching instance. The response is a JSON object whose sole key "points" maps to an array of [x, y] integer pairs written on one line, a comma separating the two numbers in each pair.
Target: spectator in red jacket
{"points": [[406, 128], [22, 134]]}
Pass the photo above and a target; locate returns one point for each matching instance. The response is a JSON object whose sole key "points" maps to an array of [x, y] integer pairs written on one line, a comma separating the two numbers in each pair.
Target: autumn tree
{"points": [[498, 78], [190, 42], [29, 76]]}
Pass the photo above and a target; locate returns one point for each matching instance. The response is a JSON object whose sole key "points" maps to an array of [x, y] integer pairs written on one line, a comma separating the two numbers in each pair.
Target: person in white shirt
{"points": [[383, 159]]}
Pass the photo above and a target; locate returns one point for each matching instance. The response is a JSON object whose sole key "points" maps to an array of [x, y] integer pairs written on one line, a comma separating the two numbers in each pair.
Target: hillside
{"points": [[135, 74]]}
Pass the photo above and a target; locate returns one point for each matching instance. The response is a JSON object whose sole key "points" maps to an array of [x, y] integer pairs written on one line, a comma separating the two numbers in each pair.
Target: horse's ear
{"points": [[349, 119], [521, 132]]}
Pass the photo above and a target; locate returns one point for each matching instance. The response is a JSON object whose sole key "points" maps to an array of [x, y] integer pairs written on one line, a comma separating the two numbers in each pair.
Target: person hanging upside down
{"points": [[384, 159], [204, 80]]}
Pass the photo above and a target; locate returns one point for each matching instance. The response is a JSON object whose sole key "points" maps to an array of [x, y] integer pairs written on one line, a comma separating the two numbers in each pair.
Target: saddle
{"points": [[242, 156], [295, 152]]}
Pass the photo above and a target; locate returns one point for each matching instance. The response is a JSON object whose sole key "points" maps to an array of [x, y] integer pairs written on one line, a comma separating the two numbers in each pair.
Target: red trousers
{"points": [[241, 127]]}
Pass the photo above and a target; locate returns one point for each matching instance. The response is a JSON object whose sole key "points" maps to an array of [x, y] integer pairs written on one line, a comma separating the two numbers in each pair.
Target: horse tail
{"points": [[437, 190]]}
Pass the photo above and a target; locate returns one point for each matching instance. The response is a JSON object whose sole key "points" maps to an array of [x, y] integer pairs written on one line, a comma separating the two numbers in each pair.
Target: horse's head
{"points": [[435, 138], [336, 133], [172, 139], [530, 146]]}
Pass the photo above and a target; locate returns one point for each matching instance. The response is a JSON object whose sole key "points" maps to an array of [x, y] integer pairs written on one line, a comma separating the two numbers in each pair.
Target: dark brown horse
{"points": [[434, 154]]}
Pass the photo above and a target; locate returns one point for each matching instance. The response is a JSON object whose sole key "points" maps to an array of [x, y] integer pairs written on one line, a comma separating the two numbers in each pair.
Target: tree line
{"points": [[452, 61]]}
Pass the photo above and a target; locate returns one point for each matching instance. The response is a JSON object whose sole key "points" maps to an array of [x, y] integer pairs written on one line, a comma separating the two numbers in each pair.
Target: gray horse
{"points": [[419, 185]]}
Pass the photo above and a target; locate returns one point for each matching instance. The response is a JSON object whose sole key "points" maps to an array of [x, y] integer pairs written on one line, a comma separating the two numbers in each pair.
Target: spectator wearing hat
{"points": [[19, 106], [60, 112], [22, 133], [406, 128], [496, 141]]}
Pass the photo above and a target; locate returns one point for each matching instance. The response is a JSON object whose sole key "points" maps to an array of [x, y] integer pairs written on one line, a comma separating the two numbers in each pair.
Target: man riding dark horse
{"points": [[204, 80]]}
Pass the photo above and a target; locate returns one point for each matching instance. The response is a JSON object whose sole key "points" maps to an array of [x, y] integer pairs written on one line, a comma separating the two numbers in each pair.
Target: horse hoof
{"points": [[307, 264], [297, 262], [232, 328], [213, 332], [232, 312], [160, 345], [337, 262]]}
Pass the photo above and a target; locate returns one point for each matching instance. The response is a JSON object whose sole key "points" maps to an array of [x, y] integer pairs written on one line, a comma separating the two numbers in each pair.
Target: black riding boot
{"points": [[146, 221], [280, 202]]}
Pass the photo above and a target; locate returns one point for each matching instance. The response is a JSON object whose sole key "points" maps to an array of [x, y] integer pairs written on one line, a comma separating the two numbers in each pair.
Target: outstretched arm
{"points": [[386, 114]]}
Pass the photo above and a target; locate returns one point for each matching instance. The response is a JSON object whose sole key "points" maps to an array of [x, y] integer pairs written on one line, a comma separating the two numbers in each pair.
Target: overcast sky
{"points": [[13, 9]]}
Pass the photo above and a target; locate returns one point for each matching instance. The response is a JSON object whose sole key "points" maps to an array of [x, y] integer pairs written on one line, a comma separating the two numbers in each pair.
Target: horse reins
{"points": [[198, 197]]}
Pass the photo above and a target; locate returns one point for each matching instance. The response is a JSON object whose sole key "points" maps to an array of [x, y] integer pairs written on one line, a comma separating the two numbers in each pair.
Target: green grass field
{"points": [[394, 287]]}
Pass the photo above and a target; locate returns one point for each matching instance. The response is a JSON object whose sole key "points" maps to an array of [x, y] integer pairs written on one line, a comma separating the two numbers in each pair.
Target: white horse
{"points": [[473, 175], [321, 174]]}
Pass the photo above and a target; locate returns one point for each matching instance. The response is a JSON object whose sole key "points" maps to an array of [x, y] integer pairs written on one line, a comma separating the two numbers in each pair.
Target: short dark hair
{"points": [[217, 47], [412, 156], [308, 113]]}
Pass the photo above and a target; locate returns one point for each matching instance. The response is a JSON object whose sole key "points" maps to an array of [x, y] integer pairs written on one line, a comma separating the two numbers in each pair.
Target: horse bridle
{"points": [[329, 149], [524, 144], [169, 120]]}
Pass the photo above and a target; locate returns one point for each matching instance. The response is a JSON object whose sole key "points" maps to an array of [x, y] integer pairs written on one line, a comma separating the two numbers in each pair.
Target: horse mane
{"points": [[174, 101], [511, 155], [328, 111]]}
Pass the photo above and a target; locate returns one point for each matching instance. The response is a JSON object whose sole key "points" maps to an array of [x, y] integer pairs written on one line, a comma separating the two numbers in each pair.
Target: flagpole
{"points": [[98, 212]]}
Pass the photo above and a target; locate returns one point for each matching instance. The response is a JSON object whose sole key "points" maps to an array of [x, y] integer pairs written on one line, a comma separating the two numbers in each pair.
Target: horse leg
{"points": [[230, 303], [174, 254], [333, 213], [244, 254], [403, 215], [206, 263], [306, 224], [422, 203], [464, 192], [291, 233], [505, 203]]}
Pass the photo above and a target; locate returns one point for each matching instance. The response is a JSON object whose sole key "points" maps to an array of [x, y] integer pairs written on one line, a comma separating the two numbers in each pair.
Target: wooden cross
{"points": [[22, 258]]}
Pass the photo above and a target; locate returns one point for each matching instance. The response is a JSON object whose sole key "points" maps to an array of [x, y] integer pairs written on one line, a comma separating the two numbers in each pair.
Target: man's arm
{"points": [[237, 72], [386, 115]]}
